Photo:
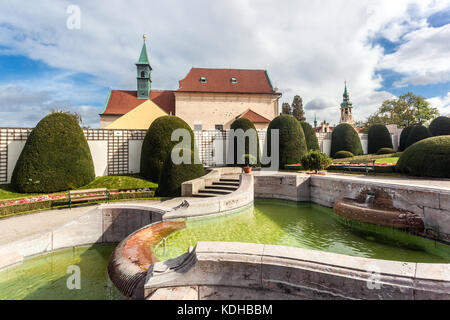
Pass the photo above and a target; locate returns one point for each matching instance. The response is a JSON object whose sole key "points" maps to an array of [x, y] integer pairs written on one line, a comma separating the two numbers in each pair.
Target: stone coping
{"points": [[268, 271]]}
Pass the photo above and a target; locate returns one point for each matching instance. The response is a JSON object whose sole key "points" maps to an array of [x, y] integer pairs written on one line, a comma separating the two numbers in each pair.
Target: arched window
{"points": [[142, 74]]}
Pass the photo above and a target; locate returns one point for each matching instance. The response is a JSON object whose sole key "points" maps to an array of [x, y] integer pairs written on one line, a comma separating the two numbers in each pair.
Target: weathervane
{"points": [[144, 36]]}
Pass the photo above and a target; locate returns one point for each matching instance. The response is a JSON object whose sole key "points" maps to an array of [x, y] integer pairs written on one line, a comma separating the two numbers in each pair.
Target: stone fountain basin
{"points": [[389, 217]]}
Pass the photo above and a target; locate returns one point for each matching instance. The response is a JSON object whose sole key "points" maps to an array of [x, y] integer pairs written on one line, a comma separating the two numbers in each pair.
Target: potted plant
{"points": [[249, 162]]}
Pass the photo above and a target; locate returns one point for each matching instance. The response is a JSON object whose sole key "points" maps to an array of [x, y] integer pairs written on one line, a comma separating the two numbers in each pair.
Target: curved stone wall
{"points": [[221, 270]]}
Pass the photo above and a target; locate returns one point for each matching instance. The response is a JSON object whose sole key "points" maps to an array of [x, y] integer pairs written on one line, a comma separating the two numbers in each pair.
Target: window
{"points": [[142, 74], [219, 127], [198, 127], [203, 79], [233, 80]]}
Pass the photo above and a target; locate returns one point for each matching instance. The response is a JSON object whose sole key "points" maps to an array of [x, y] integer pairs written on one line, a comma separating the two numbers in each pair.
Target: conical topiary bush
{"points": [[158, 145], [379, 137], [345, 138], [56, 157], [245, 125], [310, 136], [292, 143]]}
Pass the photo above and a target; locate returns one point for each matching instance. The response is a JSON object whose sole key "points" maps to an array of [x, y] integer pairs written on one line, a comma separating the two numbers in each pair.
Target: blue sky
{"points": [[382, 48]]}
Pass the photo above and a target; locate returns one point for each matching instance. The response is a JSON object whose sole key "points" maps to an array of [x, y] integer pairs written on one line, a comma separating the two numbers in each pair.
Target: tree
{"points": [[379, 137], [310, 135], [407, 110], [440, 126], [297, 109], [286, 108], [345, 138], [245, 125], [315, 160]]}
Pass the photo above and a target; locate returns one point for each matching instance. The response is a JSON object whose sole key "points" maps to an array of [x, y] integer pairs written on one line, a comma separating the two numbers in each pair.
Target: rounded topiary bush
{"points": [[440, 126], [417, 133], [56, 157], [385, 151], [173, 175], [315, 160], [379, 137], [157, 145], [245, 125], [292, 143], [343, 154], [345, 138], [310, 136], [404, 137], [428, 158]]}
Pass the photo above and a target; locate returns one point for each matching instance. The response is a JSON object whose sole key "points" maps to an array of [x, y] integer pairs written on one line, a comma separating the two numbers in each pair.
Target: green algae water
{"points": [[45, 277], [304, 225]]}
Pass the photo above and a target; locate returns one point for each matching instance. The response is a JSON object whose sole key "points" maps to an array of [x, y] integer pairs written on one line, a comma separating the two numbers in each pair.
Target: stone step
{"points": [[214, 191], [229, 180], [231, 188], [231, 184]]}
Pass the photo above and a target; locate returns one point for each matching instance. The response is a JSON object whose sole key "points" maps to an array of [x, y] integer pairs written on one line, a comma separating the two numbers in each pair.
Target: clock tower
{"points": [[144, 70]]}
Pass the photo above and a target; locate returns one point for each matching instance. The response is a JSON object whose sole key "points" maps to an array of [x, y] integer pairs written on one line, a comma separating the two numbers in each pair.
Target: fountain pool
{"points": [[303, 225]]}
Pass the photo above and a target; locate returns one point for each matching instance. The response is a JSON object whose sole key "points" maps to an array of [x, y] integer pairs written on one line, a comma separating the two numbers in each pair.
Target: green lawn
{"points": [[378, 158], [388, 160], [110, 182]]}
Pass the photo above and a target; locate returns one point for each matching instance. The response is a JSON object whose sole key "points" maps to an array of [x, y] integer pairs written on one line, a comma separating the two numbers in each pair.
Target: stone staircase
{"points": [[225, 185]]}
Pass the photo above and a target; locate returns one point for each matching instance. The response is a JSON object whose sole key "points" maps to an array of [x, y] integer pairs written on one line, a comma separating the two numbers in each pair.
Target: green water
{"points": [[307, 226], [45, 277]]}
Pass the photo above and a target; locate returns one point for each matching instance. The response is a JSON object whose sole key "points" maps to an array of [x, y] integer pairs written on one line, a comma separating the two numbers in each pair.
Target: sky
{"points": [[50, 59]]}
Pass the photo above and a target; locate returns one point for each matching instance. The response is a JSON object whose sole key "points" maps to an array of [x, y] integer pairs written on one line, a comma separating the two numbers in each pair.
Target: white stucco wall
{"points": [[14, 150], [99, 152], [134, 156]]}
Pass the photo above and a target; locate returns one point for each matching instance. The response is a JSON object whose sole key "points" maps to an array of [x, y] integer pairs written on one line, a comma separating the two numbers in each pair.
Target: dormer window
{"points": [[203, 79], [233, 80]]}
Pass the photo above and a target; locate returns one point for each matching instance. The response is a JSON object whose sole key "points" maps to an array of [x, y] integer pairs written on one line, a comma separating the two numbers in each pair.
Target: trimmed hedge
{"points": [[56, 157], [245, 125], [310, 136], [173, 175], [379, 137], [292, 143], [417, 133], [157, 145], [404, 137], [440, 126], [315, 160], [385, 151], [345, 138], [428, 158], [343, 154]]}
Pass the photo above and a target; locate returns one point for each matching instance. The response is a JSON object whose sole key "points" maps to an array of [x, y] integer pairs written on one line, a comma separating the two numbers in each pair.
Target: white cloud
{"points": [[424, 58], [442, 103], [308, 47]]}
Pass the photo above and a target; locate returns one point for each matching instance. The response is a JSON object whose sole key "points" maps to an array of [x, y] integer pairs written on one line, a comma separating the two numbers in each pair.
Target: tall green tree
{"points": [[405, 111], [286, 108], [297, 109]]}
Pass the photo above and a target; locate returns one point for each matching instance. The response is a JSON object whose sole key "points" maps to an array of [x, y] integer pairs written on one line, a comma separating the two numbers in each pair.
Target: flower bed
{"points": [[381, 167], [293, 167], [9, 207]]}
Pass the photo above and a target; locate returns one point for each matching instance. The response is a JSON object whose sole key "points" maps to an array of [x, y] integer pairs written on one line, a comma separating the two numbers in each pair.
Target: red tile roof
{"points": [[122, 101], [253, 117], [219, 80]]}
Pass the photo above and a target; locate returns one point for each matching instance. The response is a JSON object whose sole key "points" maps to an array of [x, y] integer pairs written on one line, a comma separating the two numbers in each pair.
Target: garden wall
{"points": [[117, 152]]}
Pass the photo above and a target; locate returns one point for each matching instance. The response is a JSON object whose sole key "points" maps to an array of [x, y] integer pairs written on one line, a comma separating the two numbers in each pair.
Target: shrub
{"points": [[292, 143], [343, 154], [379, 137], [429, 158], [310, 136], [386, 151], [157, 145], [404, 137], [173, 175], [245, 125], [417, 133], [55, 157], [345, 138], [440, 126], [248, 160], [315, 160]]}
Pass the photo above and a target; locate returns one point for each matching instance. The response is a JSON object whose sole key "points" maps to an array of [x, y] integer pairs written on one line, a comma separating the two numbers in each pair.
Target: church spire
{"points": [[144, 69], [346, 108]]}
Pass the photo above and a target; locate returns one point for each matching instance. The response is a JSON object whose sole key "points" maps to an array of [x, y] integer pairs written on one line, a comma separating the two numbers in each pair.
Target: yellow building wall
{"points": [[139, 118], [209, 109]]}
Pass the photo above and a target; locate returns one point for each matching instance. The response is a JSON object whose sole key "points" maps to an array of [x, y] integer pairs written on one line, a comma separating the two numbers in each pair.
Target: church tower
{"points": [[346, 108], [144, 80]]}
